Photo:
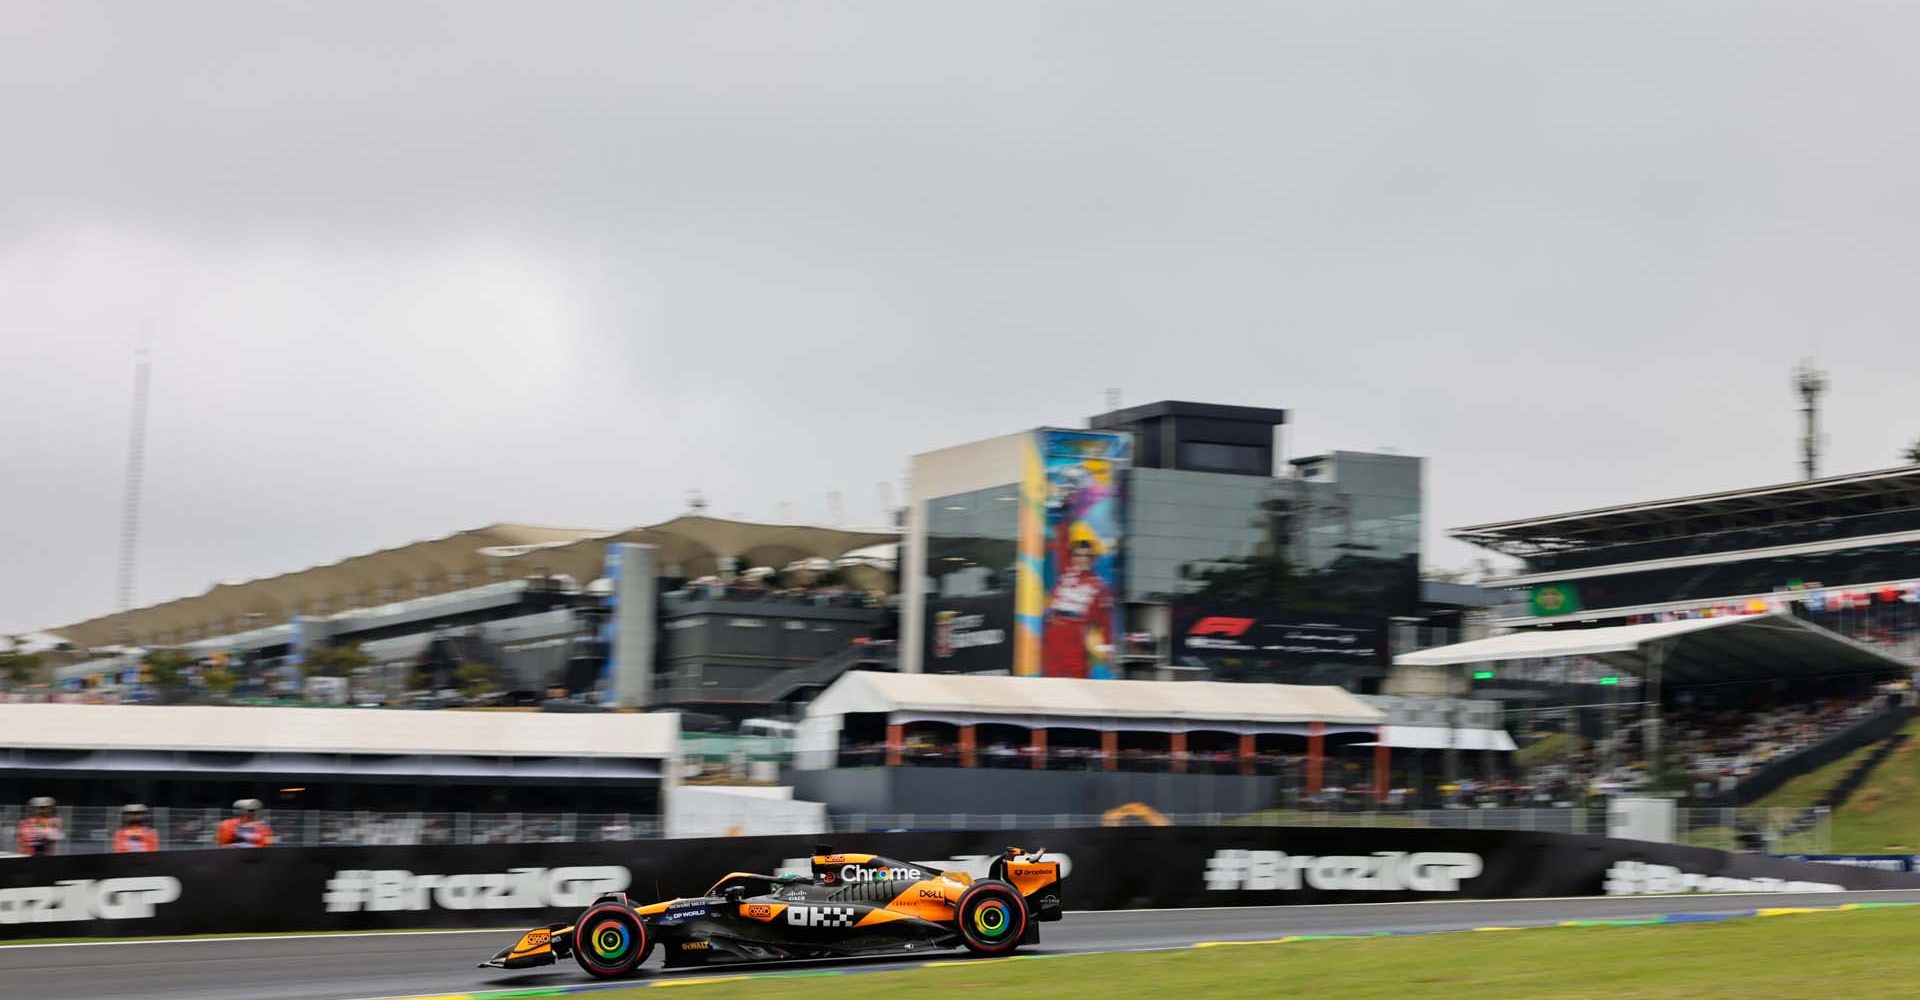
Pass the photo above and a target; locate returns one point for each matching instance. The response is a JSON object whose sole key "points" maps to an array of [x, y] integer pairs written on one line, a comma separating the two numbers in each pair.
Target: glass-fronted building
{"points": [[1221, 568]]}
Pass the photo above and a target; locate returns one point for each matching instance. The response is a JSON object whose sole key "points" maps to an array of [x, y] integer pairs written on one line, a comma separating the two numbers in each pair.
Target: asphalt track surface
{"points": [[358, 966]]}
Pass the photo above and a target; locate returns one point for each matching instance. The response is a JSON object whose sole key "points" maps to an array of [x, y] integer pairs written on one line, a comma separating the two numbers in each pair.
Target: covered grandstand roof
{"points": [[1745, 647], [1018, 700], [338, 731], [1833, 497], [690, 546]]}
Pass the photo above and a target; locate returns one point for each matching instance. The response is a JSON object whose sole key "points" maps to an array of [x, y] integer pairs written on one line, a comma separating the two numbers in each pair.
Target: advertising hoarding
{"points": [[969, 634]]}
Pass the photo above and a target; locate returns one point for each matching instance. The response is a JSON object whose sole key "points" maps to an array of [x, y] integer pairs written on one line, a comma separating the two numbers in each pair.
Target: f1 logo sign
{"points": [[1221, 625]]}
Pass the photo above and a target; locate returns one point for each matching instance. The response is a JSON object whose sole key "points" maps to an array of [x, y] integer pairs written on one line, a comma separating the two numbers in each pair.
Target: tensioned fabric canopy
{"points": [[688, 546], [1095, 704], [1746, 647]]}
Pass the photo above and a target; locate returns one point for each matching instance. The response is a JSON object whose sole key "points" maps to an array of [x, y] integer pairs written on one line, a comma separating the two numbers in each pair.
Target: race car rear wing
{"points": [[1040, 882]]}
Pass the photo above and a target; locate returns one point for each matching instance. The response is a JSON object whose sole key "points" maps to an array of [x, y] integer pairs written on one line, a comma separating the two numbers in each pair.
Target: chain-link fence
{"points": [[89, 829]]}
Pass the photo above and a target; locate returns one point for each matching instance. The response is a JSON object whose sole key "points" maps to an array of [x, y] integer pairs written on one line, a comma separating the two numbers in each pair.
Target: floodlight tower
{"points": [[1809, 382], [130, 508]]}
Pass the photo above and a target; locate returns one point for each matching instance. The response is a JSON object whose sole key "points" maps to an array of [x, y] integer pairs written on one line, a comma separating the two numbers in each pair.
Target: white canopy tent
{"points": [[1683, 652], [1062, 702], [1693, 651], [1443, 738]]}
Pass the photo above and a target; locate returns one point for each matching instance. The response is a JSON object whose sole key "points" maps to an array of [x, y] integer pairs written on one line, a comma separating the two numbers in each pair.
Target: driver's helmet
{"points": [[40, 805]]}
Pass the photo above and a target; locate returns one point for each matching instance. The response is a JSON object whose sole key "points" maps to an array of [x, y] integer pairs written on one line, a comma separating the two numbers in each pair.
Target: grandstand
{"points": [[1826, 572], [1843, 551], [530, 610]]}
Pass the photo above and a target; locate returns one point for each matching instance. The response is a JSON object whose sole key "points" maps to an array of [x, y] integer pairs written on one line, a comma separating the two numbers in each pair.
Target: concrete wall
{"points": [[994, 792], [711, 811]]}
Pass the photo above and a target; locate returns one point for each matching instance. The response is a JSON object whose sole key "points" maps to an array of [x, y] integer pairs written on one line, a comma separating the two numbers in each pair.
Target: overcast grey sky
{"points": [[407, 268]]}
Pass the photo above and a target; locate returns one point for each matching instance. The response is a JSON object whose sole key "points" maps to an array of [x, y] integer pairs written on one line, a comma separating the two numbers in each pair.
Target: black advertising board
{"points": [[368, 888], [969, 634], [1205, 632]]}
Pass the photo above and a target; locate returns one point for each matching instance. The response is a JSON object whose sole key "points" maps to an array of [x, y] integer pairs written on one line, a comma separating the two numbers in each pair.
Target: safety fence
{"points": [[89, 830]]}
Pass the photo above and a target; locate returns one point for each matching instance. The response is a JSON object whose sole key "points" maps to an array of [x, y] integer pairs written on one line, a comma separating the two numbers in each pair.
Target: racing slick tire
{"points": [[991, 917], [610, 941]]}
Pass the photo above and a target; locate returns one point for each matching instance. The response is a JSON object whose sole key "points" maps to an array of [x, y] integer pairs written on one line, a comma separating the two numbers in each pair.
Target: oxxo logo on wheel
{"points": [[87, 899]]}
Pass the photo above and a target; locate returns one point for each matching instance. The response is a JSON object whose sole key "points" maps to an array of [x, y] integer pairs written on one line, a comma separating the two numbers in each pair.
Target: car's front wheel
{"points": [[992, 918], [610, 941]]}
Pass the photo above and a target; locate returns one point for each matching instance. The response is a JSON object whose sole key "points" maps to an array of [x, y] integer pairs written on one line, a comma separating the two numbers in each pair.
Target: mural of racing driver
{"points": [[1079, 624]]}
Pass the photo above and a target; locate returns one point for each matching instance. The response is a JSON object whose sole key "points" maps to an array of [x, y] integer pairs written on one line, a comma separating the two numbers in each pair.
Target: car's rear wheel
{"points": [[992, 918], [610, 941]]}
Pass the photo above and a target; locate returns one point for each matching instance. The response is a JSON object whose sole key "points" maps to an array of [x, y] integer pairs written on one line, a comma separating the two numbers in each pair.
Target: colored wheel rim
{"points": [[993, 919], [610, 941]]}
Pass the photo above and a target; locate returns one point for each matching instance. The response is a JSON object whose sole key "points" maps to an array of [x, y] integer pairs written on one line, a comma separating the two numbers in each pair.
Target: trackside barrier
{"points": [[365, 888]]}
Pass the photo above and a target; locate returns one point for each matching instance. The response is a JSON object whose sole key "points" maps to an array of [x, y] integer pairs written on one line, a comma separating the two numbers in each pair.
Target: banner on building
{"points": [[1205, 632], [1067, 582], [1550, 599], [968, 634]]}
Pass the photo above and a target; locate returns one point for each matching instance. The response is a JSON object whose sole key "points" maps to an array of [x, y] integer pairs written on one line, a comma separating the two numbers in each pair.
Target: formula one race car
{"points": [[852, 904]]}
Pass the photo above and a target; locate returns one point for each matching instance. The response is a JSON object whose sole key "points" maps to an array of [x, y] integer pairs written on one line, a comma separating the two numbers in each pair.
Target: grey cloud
{"points": [[407, 268]]}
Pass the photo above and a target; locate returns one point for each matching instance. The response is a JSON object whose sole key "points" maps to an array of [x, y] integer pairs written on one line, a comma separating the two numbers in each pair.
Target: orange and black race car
{"points": [[851, 904]]}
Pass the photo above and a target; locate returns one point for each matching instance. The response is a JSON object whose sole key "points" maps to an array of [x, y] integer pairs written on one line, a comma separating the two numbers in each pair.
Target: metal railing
{"points": [[89, 829]]}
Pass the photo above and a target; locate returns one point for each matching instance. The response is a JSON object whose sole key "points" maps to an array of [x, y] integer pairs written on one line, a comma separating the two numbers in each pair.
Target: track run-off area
{"points": [[441, 963]]}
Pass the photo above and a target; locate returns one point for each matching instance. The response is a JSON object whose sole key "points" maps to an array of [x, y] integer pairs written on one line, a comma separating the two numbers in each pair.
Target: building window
{"points": [[972, 540], [1208, 456]]}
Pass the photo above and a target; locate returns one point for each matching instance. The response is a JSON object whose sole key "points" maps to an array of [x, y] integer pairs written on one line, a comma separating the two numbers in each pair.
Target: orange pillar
{"points": [[1110, 750], [1177, 747], [896, 735], [1246, 753], [1382, 766], [1037, 746], [1316, 755], [966, 746]]}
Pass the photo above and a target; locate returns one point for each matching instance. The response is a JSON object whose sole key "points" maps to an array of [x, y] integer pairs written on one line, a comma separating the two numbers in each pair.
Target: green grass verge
{"points": [[1883, 816], [1864, 952], [1808, 788], [1549, 748]]}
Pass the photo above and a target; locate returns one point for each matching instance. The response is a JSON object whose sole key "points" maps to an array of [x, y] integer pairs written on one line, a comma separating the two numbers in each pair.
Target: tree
{"points": [[219, 682], [18, 667], [335, 661], [1912, 454], [165, 671], [476, 680]]}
